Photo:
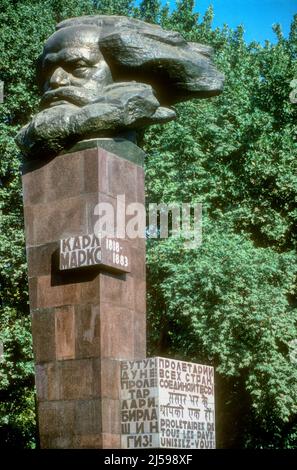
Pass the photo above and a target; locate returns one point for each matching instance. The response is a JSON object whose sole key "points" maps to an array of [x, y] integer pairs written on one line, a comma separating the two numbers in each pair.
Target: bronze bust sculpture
{"points": [[101, 75]]}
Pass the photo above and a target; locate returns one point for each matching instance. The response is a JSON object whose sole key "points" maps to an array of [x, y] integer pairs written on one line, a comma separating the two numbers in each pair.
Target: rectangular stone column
{"points": [[83, 321]]}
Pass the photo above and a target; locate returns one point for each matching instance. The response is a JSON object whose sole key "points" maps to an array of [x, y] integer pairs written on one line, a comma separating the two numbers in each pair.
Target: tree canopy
{"points": [[232, 301]]}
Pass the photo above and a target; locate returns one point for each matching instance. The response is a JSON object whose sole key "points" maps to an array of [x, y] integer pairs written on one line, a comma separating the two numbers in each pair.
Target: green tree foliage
{"points": [[149, 11], [230, 302]]}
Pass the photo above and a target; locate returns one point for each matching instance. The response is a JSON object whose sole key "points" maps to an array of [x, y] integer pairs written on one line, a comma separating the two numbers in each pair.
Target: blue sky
{"points": [[257, 16]]}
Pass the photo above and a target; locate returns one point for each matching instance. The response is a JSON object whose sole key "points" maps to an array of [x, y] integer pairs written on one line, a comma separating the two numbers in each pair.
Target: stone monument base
{"points": [[84, 321]]}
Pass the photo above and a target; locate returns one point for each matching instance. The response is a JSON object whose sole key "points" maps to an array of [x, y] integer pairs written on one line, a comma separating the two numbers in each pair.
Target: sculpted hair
{"points": [[134, 50]]}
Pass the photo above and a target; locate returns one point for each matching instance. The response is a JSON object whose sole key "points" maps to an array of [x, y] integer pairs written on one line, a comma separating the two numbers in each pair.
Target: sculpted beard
{"points": [[70, 95]]}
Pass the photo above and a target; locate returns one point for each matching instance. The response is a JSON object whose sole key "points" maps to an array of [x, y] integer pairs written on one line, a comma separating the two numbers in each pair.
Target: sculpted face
{"points": [[73, 69], [105, 75]]}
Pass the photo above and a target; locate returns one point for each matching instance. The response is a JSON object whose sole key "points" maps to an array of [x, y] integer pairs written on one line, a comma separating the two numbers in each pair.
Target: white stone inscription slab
{"points": [[167, 404]]}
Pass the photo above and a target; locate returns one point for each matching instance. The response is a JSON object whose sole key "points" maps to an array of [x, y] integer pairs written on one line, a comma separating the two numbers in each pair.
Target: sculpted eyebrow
{"points": [[73, 60], [52, 59]]}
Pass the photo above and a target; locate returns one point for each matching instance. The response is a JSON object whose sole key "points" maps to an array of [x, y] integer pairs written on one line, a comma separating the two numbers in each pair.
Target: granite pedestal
{"points": [[83, 321]]}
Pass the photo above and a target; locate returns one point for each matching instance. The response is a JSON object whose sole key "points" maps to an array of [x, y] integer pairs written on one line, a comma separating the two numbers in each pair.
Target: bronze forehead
{"points": [[72, 37]]}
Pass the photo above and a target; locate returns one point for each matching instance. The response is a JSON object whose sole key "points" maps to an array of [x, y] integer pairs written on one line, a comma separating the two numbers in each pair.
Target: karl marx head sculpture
{"points": [[102, 75]]}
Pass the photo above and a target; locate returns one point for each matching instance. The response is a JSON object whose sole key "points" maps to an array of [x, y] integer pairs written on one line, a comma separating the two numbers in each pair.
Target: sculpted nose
{"points": [[59, 78]]}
